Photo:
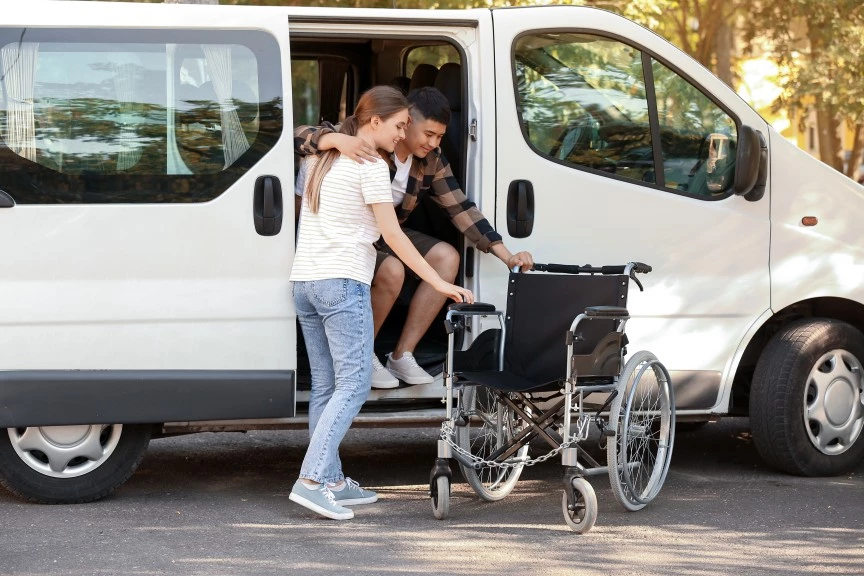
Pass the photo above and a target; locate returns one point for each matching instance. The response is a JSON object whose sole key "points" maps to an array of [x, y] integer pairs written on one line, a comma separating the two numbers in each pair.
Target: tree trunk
{"points": [[723, 47], [857, 148], [829, 140]]}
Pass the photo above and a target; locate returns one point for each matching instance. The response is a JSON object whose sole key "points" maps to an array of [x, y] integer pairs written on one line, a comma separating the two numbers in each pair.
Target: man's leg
{"points": [[426, 302], [386, 286]]}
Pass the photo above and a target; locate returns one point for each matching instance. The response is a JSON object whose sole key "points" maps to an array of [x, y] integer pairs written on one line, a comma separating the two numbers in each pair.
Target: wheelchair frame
{"points": [[634, 483]]}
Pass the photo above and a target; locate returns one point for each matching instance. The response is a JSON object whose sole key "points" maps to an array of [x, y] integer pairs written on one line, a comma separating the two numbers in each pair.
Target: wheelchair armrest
{"points": [[476, 307], [606, 312], [462, 309]]}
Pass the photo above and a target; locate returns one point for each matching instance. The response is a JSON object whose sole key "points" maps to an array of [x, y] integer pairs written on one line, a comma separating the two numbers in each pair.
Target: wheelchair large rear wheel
{"points": [[491, 424], [643, 414]]}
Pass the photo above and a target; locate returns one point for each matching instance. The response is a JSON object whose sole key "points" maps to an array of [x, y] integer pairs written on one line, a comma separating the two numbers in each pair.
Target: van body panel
{"points": [[813, 261], [710, 258], [141, 396], [167, 286]]}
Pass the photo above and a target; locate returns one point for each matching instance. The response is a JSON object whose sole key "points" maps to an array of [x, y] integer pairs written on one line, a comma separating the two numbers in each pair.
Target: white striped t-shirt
{"points": [[336, 242]]}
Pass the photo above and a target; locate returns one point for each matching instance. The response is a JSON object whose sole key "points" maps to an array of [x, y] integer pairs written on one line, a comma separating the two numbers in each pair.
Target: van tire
{"points": [[782, 435], [22, 480]]}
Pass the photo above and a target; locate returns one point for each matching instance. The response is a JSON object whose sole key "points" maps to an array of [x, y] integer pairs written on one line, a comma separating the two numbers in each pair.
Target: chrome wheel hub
{"points": [[65, 451], [834, 402]]}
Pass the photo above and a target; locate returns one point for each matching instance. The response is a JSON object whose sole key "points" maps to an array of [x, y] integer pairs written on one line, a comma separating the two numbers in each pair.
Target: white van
{"points": [[146, 221]]}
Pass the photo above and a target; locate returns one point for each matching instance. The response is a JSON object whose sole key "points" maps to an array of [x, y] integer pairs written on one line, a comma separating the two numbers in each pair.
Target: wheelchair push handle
{"points": [[631, 269]]}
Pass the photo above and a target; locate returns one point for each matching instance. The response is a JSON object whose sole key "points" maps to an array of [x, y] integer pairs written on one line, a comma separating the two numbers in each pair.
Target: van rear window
{"points": [[134, 116]]}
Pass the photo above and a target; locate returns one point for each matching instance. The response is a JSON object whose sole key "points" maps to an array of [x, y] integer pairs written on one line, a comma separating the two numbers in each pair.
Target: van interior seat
{"points": [[449, 82], [402, 83], [424, 75]]}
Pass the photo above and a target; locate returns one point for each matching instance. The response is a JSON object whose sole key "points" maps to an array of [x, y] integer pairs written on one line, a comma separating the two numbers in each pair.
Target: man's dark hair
{"points": [[430, 104]]}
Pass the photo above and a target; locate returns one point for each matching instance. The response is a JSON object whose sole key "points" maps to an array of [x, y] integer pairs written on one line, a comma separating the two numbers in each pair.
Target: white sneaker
{"points": [[407, 369], [381, 377]]}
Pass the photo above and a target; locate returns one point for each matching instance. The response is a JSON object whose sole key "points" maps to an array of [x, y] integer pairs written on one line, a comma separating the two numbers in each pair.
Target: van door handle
{"points": [[6, 201], [267, 206], [520, 209]]}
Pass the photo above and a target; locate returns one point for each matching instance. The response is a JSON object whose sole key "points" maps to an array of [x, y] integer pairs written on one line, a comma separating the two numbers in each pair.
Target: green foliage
{"points": [[819, 46]]}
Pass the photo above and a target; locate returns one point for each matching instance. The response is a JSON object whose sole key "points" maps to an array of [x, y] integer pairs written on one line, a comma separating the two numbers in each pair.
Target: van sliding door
{"points": [[143, 260]]}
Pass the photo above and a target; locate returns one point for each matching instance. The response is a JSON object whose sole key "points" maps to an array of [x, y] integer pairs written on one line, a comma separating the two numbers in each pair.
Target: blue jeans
{"points": [[336, 318]]}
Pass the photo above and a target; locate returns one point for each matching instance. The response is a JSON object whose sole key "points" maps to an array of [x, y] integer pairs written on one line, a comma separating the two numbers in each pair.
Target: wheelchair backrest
{"points": [[540, 309]]}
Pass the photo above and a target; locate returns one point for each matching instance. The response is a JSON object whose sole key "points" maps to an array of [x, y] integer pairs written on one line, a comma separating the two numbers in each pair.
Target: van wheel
{"points": [[807, 399], [70, 464]]}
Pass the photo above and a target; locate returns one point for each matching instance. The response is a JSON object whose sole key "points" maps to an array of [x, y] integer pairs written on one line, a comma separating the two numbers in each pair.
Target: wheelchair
{"points": [[550, 370]]}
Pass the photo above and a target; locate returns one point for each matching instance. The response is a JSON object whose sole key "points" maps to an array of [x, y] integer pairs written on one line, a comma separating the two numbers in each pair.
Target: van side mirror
{"points": [[6, 201], [751, 160]]}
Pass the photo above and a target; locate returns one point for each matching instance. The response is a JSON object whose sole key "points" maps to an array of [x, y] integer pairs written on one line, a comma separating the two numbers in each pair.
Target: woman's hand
{"points": [[457, 293]]}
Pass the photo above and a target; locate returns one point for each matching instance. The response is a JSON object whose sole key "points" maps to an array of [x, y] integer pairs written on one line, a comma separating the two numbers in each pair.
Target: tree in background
{"points": [[704, 29], [819, 47], [817, 44]]}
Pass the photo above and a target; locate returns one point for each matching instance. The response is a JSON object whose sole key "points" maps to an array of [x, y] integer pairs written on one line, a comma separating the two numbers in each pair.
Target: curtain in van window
{"points": [[19, 65], [234, 141], [124, 82]]}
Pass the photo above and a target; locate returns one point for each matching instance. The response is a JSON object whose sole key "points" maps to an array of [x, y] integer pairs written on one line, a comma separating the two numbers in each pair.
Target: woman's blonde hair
{"points": [[381, 101]]}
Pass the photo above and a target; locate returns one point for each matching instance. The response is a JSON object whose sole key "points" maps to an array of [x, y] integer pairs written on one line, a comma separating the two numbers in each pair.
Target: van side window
{"points": [[304, 92], [319, 88], [582, 101], [697, 137], [138, 116], [436, 56]]}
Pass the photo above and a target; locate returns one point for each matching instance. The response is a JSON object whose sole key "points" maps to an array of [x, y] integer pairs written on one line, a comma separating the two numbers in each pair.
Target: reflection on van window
{"points": [[582, 101], [92, 113], [698, 138]]}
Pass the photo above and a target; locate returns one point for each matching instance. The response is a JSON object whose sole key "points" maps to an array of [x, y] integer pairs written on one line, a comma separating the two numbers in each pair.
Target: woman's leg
{"points": [[318, 351], [346, 311]]}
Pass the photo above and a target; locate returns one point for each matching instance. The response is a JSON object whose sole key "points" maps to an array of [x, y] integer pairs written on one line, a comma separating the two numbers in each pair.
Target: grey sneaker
{"points": [[319, 500], [352, 494], [407, 369], [381, 377]]}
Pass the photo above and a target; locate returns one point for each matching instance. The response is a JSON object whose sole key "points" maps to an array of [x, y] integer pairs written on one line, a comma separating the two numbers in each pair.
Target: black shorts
{"points": [[422, 242]]}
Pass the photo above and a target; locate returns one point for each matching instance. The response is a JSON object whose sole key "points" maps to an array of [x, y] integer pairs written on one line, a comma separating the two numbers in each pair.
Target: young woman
{"points": [[346, 207]]}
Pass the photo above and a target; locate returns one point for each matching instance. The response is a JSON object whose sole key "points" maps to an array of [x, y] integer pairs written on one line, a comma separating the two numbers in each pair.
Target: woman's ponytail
{"points": [[381, 101], [323, 165]]}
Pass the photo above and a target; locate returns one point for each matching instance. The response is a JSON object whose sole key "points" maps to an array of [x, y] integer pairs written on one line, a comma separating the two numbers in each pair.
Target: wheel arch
{"points": [[833, 308]]}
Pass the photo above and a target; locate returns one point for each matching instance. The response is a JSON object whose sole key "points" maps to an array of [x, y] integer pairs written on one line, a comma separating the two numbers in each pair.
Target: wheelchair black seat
{"points": [[540, 310]]}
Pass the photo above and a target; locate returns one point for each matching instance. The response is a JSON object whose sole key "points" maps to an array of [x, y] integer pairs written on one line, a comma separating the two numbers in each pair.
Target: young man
{"points": [[416, 167]]}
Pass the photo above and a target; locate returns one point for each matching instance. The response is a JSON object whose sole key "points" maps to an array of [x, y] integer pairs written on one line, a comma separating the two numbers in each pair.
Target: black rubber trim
{"points": [[476, 307], [695, 389], [67, 397], [606, 312]]}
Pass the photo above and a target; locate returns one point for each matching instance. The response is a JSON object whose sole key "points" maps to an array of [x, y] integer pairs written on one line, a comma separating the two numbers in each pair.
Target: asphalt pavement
{"points": [[217, 504]]}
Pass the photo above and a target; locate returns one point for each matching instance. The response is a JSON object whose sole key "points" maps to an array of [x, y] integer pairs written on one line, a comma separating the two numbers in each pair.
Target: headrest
{"points": [[424, 75], [402, 83], [449, 82]]}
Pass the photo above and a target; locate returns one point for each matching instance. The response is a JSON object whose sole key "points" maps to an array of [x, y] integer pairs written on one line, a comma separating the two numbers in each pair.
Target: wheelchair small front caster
{"points": [[440, 497], [580, 513]]}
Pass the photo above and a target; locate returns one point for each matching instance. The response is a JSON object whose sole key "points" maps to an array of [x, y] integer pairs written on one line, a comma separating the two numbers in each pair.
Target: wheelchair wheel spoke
{"points": [[491, 426]]}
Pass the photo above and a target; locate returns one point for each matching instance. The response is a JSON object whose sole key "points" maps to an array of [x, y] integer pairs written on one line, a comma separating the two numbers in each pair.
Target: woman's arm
{"points": [[405, 250]]}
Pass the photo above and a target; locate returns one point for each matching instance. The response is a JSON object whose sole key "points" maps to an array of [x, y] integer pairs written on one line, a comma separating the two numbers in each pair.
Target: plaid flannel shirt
{"points": [[431, 175]]}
